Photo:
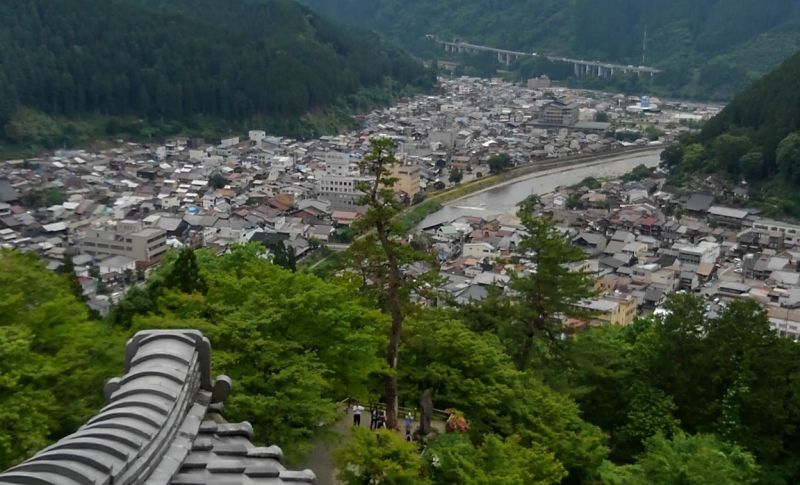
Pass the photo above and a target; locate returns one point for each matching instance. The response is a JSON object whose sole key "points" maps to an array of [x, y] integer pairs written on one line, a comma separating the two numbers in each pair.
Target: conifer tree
{"points": [[185, 275], [380, 255], [550, 291]]}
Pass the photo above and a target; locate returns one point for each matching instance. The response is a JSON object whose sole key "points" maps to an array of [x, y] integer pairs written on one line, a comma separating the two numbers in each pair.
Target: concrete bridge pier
{"points": [[504, 58]]}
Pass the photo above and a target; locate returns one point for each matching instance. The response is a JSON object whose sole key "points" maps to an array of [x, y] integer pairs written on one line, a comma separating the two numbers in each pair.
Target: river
{"points": [[505, 197]]}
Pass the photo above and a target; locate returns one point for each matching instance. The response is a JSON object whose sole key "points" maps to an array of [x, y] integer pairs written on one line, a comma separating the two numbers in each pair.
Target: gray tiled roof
{"points": [[162, 425]]}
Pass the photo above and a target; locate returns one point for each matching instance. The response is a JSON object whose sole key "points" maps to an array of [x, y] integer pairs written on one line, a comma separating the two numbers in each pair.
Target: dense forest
{"points": [[709, 49], [269, 61], [685, 397], [602, 407], [754, 141]]}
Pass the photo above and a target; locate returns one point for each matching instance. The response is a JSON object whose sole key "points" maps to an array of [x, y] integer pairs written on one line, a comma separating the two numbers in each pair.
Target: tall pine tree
{"points": [[549, 291]]}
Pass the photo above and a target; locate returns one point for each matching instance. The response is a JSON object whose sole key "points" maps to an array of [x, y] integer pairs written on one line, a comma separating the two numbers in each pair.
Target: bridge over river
{"points": [[582, 68]]}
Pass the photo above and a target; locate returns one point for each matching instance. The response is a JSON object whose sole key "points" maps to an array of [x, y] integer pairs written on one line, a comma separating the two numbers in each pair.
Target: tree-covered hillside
{"points": [[261, 60], [600, 408], [54, 358], [711, 48], [755, 139]]}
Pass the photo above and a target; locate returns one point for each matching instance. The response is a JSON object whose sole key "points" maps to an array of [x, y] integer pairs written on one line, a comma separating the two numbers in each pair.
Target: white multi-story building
{"points": [[695, 255], [339, 182], [791, 232], [479, 250], [128, 238], [257, 136]]}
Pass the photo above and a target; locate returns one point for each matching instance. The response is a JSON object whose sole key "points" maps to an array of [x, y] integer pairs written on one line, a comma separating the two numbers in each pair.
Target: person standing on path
{"points": [[409, 422], [381, 420], [357, 410], [373, 418]]}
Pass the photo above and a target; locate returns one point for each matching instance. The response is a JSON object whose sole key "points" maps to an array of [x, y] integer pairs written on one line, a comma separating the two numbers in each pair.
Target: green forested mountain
{"points": [[711, 48], [182, 59], [755, 139]]}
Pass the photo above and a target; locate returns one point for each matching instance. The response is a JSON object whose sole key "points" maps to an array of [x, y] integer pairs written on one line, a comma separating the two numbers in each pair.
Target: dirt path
{"points": [[320, 460]]}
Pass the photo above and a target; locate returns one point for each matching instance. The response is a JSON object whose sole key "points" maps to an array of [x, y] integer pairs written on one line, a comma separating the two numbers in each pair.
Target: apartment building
{"points": [[339, 183], [614, 310], [407, 183], [129, 239]]}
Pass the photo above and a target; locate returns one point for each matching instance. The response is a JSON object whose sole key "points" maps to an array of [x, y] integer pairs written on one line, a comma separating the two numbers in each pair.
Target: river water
{"points": [[505, 197]]}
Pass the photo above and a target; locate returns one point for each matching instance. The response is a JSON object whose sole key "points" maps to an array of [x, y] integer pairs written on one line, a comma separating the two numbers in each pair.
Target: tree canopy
{"points": [[500, 162], [294, 344], [381, 456], [754, 139], [454, 459], [53, 358], [184, 61], [550, 290], [685, 460], [598, 405]]}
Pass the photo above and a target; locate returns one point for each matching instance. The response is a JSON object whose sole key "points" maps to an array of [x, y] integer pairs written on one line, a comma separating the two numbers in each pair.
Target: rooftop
{"points": [[162, 425], [727, 212], [149, 232]]}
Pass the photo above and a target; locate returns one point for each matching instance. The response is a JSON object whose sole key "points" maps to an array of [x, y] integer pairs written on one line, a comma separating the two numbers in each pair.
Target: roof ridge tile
{"points": [[162, 425]]}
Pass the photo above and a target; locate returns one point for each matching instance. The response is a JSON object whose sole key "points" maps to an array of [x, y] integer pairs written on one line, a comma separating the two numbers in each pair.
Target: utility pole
{"points": [[644, 45]]}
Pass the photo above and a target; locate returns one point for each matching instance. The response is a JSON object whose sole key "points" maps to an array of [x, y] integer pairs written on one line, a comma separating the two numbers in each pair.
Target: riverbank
{"points": [[434, 204], [504, 195], [414, 215]]}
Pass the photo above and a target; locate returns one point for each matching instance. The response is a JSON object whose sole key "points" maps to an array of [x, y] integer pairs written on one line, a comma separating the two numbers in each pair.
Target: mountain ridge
{"points": [[709, 49], [753, 142], [238, 62]]}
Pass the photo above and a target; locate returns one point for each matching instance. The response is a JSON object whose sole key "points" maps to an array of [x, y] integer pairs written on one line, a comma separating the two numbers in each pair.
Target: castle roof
{"points": [[162, 425]]}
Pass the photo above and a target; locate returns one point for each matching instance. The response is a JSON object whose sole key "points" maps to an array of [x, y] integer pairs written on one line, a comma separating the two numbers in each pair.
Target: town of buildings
{"points": [[642, 242], [116, 212]]}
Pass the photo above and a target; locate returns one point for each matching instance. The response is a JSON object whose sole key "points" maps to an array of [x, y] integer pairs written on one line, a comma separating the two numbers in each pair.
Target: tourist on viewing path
{"points": [[357, 410]]}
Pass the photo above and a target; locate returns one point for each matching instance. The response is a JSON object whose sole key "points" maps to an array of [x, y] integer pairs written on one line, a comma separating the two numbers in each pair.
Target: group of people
{"points": [[378, 419]]}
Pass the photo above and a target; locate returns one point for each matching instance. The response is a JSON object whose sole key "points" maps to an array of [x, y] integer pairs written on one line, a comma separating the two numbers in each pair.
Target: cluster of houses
{"points": [[116, 212], [642, 242]]}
